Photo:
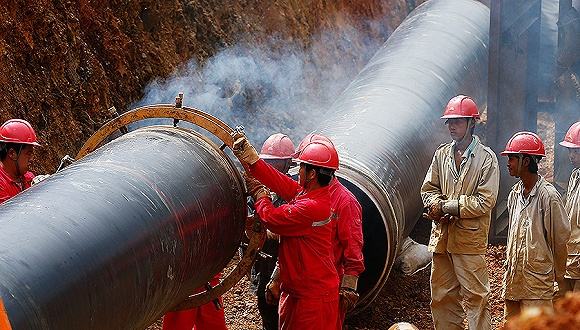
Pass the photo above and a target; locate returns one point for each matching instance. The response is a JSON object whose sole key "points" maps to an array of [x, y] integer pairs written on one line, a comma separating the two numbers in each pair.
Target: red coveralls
{"points": [[347, 232], [205, 317], [309, 282], [10, 188]]}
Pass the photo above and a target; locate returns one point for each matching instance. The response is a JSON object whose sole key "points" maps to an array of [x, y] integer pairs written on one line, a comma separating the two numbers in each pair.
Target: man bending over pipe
{"points": [[459, 191], [307, 275]]}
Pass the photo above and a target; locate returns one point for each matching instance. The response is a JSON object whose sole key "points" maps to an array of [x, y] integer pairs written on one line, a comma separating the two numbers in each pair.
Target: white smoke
{"points": [[277, 86]]}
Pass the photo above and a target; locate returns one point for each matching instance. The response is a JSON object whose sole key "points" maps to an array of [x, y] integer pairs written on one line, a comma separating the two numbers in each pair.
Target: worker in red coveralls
{"points": [[347, 237], [306, 274], [277, 151], [205, 317], [17, 141]]}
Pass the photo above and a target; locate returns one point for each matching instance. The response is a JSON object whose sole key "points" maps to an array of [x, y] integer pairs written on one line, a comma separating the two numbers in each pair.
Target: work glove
{"points": [[249, 227], [39, 178], [244, 150], [347, 293], [273, 288], [272, 236], [435, 212], [255, 188]]}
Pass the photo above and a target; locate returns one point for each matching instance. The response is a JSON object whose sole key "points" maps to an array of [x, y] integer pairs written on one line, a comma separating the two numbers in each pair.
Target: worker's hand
{"points": [[348, 299], [244, 150], [249, 227], [255, 188], [446, 218], [272, 236], [434, 211], [347, 293], [39, 178], [273, 292]]}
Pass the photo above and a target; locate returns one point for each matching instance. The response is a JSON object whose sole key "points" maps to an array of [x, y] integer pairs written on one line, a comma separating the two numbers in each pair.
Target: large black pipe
{"points": [[122, 235], [386, 124]]}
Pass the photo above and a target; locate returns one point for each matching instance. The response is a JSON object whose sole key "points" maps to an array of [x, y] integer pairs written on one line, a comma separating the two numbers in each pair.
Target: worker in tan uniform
{"points": [[538, 230], [459, 192], [572, 142]]}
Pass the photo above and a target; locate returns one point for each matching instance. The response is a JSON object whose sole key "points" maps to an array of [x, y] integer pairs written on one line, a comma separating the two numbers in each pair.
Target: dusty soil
{"points": [[403, 299], [406, 298]]}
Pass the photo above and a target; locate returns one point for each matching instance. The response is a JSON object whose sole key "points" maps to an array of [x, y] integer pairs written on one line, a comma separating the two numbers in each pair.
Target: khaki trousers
{"points": [[568, 285], [515, 307], [572, 285], [575, 284], [457, 277]]}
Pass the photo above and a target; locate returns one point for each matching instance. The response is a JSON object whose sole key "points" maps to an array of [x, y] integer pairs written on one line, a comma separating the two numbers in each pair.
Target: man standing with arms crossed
{"points": [[459, 192], [538, 230], [572, 142]]}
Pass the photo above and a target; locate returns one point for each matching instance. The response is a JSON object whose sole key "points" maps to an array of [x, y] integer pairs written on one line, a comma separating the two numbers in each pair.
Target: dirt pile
{"points": [[566, 315]]}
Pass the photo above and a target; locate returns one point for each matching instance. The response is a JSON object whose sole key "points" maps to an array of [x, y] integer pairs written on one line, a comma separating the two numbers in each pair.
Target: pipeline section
{"points": [[386, 123], [122, 235]]}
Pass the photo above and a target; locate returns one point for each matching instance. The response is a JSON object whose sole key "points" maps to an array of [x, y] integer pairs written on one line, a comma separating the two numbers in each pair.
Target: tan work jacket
{"points": [[475, 188], [536, 248], [573, 210]]}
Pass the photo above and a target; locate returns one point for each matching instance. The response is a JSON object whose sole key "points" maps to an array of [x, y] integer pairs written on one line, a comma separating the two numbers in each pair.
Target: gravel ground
{"points": [[403, 298], [406, 298]]}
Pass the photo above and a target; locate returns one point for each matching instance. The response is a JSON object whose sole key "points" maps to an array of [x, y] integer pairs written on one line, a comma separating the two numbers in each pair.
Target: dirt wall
{"points": [[64, 63]]}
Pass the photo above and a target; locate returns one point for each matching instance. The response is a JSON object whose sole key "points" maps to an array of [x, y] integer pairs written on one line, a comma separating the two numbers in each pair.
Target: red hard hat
{"points": [[277, 146], [572, 138], [310, 138], [18, 131], [525, 143], [461, 106], [318, 153]]}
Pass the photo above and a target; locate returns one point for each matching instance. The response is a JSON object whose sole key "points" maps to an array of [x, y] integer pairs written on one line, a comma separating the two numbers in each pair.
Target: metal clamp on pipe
{"points": [[224, 133]]}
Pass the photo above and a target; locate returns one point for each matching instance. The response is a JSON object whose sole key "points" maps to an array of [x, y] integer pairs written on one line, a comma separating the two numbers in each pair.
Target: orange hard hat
{"points": [[461, 106], [525, 143], [572, 138], [277, 146], [318, 153], [18, 131]]}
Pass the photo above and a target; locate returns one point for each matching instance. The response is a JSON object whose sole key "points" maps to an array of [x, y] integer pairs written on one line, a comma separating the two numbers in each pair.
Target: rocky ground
{"points": [[403, 299]]}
